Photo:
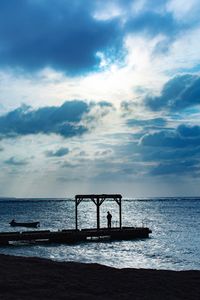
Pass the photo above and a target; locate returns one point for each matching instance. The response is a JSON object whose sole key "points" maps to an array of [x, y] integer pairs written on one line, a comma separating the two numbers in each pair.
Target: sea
{"points": [[173, 245]]}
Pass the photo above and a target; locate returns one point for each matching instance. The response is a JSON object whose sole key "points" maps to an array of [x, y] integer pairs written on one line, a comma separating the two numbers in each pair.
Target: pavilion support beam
{"points": [[120, 214], [76, 214], [98, 214]]}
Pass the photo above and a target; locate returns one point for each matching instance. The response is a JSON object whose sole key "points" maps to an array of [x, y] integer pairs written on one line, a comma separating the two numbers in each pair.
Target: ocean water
{"points": [[174, 243]]}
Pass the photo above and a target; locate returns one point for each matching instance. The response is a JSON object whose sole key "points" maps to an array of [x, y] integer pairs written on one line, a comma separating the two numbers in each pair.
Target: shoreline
{"points": [[38, 278]]}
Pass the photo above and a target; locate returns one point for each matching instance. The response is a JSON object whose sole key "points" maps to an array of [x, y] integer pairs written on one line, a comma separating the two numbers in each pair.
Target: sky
{"points": [[99, 97]]}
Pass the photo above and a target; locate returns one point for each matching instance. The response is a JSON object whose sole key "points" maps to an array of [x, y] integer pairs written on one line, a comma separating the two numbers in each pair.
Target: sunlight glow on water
{"points": [[174, 243]]}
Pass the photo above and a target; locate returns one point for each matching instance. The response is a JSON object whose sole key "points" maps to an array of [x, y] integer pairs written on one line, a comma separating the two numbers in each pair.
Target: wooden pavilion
{"points": [[98, 201]]}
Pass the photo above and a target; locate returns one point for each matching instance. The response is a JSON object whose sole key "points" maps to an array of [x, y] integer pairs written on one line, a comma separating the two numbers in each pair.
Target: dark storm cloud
{"points": [[63, 120], [154, 23], [167, 152], [170, 154], [152, 19], [57, 153], [176, 167], [175, 152], [65, 35], [174, 139], [189, 131], [58, 33], [178, 93], [13, 161], [156, 122]]}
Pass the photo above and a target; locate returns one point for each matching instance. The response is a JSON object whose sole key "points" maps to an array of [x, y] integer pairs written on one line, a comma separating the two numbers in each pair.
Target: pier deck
{"points": [[73, 236]]}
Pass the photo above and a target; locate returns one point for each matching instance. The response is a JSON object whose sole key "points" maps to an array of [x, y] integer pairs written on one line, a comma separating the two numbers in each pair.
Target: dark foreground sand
{"points": [[33, 278]]}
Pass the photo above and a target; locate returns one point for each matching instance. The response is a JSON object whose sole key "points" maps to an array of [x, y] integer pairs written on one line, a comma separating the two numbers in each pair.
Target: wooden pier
{"points": [[68, 236], [73, 236]]}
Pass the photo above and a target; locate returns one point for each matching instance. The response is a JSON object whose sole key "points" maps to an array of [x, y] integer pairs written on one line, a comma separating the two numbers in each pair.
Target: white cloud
{"points": [[184, 11], [107, 11], [183, 54], [145, 68]]}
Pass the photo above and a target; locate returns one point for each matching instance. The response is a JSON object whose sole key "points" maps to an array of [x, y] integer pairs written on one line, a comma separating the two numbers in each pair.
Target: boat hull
{"points": [[25, 224]]}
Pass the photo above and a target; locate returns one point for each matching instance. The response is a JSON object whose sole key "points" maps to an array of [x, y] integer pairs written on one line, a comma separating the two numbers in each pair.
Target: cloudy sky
{"points": [[99, 96]]}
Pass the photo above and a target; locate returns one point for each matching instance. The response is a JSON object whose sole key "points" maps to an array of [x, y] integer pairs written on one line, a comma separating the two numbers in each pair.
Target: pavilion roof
{"points": [[105, 196]]}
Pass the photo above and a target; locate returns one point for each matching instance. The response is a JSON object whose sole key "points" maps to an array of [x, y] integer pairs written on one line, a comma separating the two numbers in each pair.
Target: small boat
{"points": [[13, 223]]}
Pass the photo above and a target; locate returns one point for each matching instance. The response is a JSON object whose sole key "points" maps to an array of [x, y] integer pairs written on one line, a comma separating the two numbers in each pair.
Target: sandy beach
{"points": [[35, 278]]}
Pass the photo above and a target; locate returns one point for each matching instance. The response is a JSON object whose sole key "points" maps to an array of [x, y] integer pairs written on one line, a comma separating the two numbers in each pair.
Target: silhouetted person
{"points": [[109, 218], [12, 222]]}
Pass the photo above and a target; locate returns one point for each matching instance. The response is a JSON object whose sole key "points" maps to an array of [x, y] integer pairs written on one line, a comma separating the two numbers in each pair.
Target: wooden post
{"points": [[98, 214], [120, 214], [76, 214]]}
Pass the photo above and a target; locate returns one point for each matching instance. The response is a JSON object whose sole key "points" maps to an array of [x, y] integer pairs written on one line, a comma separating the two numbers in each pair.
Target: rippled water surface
{"points": [[173, 244]]}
